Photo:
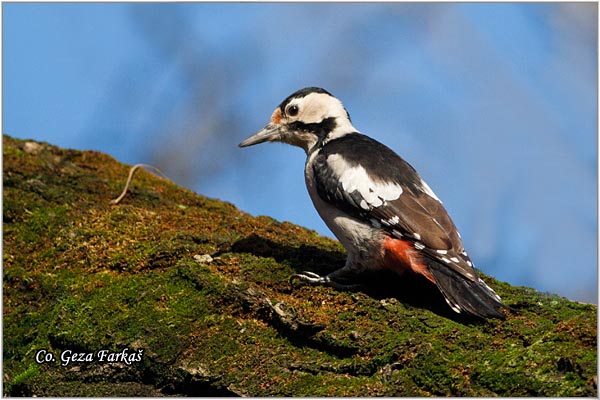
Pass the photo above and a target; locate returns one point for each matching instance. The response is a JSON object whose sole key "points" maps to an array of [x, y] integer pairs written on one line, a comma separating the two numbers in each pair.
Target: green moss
{"points": [[19, 382], [85, 275], [30, 372]]}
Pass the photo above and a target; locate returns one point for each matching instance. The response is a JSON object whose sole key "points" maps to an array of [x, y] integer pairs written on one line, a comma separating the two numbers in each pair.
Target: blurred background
{"points": [[495, 104]]}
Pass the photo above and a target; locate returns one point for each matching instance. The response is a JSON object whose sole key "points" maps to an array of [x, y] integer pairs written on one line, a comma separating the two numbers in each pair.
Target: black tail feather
{"points": [[473, 297]]}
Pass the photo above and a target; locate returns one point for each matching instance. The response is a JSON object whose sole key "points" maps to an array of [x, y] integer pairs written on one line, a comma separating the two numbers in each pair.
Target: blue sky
{"points": [[495, 104]]}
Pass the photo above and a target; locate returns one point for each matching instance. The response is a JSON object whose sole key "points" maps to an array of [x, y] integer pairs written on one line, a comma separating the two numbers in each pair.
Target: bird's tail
{"points": [[473, 297]]}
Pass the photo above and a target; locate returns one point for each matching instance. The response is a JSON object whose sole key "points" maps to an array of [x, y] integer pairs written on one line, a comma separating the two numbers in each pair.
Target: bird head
{"points": [[305, 118]]}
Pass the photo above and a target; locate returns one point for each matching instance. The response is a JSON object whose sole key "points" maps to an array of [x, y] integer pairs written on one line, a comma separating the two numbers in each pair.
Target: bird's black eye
{"points": [[292, 110]]}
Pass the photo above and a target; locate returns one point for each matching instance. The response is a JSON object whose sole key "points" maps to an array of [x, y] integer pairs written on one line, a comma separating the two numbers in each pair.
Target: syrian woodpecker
{"points": [[375, 203]]}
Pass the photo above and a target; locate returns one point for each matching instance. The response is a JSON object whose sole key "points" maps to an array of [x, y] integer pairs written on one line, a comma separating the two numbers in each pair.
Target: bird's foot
{"points": [[316, 279], [310, 277]]}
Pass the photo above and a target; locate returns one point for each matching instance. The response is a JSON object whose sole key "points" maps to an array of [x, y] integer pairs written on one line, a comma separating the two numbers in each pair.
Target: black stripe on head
{"points": [[302, 93], [321, 129]]}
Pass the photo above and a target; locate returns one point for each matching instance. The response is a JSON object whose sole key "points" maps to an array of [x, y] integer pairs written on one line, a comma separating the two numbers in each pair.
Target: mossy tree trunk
{"points": [[199, 291]]}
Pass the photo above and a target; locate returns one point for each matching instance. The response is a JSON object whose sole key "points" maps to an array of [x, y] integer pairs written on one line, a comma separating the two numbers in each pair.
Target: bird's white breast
{"points": [[359, 238]]}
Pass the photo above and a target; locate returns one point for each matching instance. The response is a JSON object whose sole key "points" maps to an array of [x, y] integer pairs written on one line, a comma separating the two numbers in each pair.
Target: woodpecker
{"points": [[375, 203]]}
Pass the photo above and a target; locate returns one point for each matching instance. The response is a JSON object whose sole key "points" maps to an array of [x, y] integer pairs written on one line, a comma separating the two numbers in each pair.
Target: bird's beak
{"points": [[270, 133]]}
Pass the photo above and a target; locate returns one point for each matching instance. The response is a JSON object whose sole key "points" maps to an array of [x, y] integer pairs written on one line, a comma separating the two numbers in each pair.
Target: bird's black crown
{"points": [[302, 93]]}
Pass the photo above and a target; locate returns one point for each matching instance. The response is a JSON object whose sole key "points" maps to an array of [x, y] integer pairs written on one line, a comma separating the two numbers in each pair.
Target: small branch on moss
{"points": [[148, 168]]}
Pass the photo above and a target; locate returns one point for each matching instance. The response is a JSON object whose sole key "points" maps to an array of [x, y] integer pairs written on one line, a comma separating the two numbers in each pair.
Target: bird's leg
{"points": [[338, 279]]}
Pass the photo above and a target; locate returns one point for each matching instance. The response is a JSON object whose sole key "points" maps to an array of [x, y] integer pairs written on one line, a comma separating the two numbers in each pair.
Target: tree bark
{"points": [[172, 293]]}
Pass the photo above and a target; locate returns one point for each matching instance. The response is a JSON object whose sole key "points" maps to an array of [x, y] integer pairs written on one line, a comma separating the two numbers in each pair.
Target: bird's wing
{"points": [[369, 181]]}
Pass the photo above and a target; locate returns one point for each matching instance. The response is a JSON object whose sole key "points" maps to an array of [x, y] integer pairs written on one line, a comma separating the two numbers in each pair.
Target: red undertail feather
{"points": [[400, 255], [472, 296]]}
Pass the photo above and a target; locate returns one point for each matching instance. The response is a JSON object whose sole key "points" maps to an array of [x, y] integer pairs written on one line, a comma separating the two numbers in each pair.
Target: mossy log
{"points": [[198, 292]]}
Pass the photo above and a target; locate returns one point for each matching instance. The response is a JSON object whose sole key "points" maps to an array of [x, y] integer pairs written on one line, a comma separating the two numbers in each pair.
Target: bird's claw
{"points": [[310, 277]]}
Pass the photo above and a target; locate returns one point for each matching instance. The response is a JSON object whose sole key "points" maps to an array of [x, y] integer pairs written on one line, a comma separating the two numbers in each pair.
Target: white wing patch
{"points": [[355, 178]]}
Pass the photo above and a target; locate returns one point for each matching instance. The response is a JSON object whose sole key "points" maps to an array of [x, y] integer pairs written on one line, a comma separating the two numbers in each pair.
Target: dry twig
{"points": [[148, 168]]}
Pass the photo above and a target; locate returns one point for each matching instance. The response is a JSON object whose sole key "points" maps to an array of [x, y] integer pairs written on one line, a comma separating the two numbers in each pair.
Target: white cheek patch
{"points": [[317, 106], [355, 178]]}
